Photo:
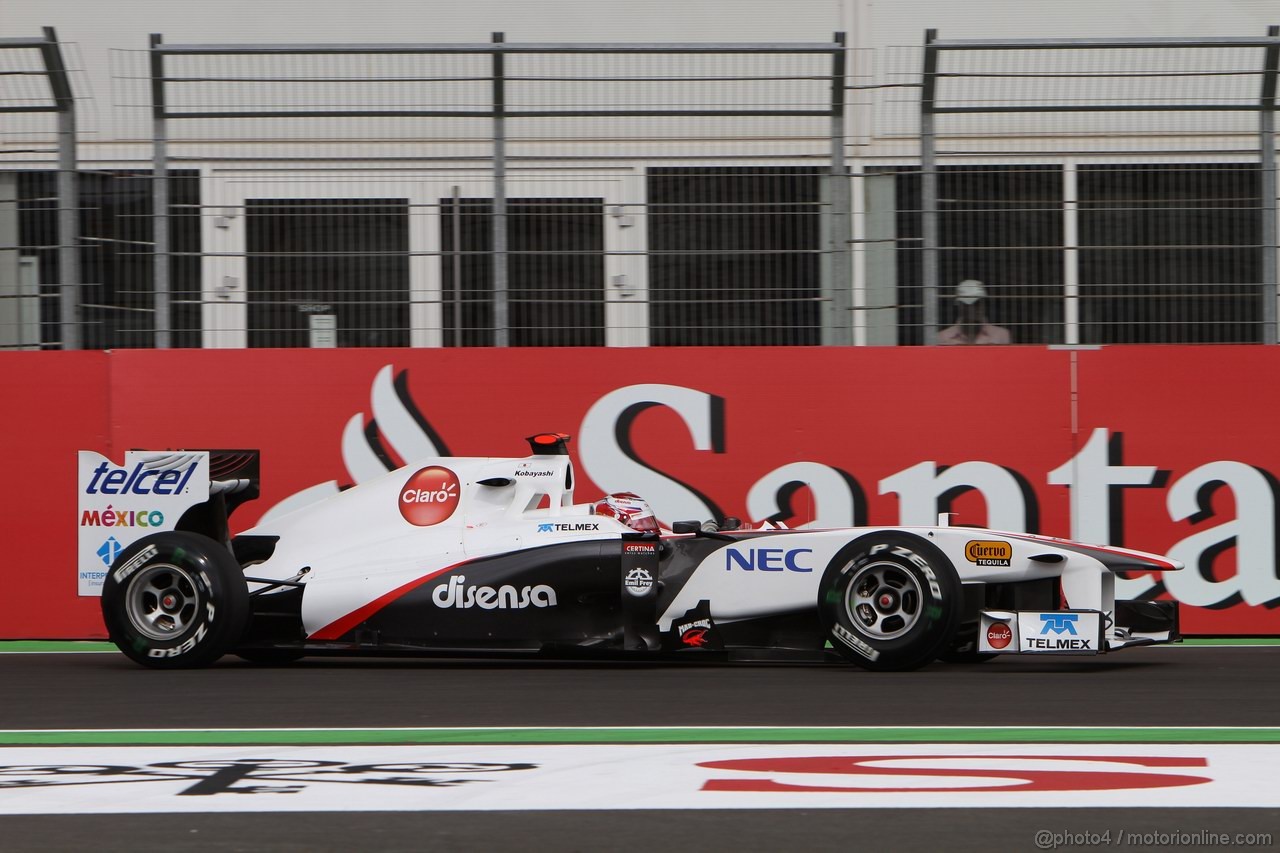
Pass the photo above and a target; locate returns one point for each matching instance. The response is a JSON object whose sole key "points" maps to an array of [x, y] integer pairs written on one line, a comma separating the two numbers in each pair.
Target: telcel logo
{"points": [[1058, 623], [430, 496], [140, 480], [767, 560]]}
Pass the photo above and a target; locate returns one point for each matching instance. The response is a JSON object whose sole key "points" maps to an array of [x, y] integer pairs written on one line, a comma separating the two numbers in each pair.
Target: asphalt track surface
{"points": [[1167, 686]]}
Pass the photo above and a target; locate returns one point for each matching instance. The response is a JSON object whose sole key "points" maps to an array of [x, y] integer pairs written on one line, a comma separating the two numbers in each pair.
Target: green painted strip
{"points": [[27, 646], [623, 735]]}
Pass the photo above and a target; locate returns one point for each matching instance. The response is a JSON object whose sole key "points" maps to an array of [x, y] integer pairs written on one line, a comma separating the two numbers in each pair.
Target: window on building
{"points": [[555, 271], [1000, 225], [117, 247], [734, 255], [342, 259], [1170, 254]]}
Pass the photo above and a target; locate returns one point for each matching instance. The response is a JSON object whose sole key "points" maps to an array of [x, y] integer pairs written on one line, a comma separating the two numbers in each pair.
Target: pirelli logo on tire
{"points": [[988, 552]]}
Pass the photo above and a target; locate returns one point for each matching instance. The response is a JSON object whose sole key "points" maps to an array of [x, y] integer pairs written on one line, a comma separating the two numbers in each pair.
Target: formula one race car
{"points": [[459, 556]]}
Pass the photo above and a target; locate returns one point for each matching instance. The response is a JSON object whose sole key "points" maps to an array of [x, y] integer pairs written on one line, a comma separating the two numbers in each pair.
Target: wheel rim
{"points": [[162, 601], [883, 600]]}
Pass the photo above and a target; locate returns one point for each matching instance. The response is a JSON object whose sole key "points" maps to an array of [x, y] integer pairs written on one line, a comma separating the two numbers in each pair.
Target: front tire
{"points": [[175, 600], [890, 601]]}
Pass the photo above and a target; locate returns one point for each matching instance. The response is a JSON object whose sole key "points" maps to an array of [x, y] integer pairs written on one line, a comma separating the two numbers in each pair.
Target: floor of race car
{"points": [[1155, 748]]}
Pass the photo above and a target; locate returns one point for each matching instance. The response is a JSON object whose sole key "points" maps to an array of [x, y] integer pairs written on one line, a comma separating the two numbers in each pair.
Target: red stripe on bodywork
{"points": [[338, 627]]}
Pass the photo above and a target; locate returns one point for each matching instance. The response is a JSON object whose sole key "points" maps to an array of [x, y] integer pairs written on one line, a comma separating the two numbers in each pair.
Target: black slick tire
{"points": [[890, 601], [175, 600]]}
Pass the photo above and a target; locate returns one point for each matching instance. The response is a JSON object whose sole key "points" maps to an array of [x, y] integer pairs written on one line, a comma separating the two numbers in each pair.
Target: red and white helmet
{"points": [[629, 508]]}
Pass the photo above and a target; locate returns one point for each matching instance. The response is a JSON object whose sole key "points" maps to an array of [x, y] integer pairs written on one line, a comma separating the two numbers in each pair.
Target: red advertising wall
{"points": [[1159, 448], [53, 403]]}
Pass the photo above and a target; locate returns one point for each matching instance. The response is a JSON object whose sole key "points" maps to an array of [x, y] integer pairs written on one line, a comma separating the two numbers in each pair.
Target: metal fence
{"points": [[508, 194]]}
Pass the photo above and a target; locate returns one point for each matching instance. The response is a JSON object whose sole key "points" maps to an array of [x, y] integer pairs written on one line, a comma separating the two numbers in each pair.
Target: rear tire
{"points": [[175, 600], [890, 601]]}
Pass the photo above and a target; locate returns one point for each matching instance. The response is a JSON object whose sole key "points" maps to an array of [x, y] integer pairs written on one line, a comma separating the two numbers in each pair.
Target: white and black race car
{"points": [[492, 556]]}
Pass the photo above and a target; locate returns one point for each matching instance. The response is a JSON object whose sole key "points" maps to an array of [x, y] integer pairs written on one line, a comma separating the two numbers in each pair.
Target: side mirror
{"points": [[686, 527]]}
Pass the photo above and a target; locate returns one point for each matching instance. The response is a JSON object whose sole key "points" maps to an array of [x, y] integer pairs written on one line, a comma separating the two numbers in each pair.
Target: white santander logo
{"points": [[454, 594]]}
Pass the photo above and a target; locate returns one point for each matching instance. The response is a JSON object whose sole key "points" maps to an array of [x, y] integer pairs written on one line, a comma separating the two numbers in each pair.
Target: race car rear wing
{"points": [[153, 491]]}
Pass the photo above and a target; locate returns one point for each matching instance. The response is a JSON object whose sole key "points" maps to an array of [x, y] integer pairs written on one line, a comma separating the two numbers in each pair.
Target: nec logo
{"points": [[109, 480], [1059, 623], [767, 560]]}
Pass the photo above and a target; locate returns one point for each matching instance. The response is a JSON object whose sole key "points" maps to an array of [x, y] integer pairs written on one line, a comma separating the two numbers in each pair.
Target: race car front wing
{"points": [[1078, 632]]}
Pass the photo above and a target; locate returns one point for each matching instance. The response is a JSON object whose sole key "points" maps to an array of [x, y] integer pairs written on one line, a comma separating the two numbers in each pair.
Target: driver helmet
{"points": [[630, 509]]}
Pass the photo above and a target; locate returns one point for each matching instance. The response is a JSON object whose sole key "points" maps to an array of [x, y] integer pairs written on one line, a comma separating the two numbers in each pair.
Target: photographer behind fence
{"points": [[972, 326]]}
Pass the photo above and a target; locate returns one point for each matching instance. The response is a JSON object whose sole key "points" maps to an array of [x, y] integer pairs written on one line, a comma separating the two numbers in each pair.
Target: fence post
{"points": [[841, 313], [1267, 166], [501, 317], [159, 196], [68, 194], [929, 192]]}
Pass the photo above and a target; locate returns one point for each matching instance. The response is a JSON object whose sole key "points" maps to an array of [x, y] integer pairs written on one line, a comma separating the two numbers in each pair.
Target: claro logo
{"points": [[988, 552], [430, 496]]}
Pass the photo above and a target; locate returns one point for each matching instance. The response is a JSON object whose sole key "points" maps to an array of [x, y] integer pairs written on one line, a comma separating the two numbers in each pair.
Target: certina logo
{"points": [[640, 548], [768, 560], [999, 635], [430, 496], [528, 472], [139, 480], [110, 517], [988, 552], [456, 594], [580, 527]]}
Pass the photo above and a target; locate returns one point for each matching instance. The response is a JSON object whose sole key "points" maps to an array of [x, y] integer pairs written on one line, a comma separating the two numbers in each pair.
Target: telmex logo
{"points": [[430, 496], [988, 552], [1059, 623], [110, 480], [578, 527], [767, 560]]}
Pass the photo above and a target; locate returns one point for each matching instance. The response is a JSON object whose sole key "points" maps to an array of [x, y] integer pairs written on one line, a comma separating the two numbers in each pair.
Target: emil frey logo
{"points": [[140, 480], [430, 496], [1059, 623], [638, 581]]}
